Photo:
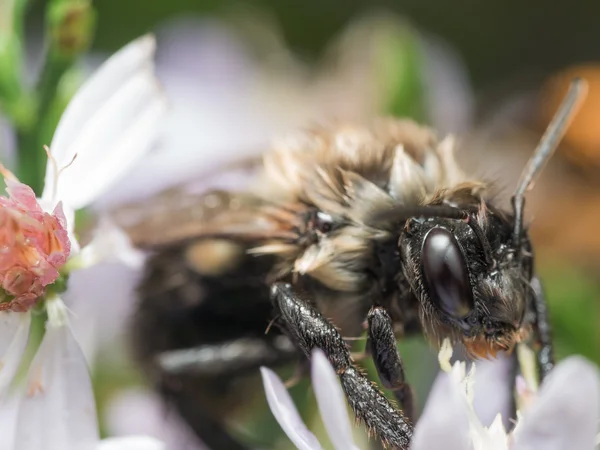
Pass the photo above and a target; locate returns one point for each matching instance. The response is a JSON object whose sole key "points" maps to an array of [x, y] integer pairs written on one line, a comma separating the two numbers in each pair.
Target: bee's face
{"points": [[467, 292]]}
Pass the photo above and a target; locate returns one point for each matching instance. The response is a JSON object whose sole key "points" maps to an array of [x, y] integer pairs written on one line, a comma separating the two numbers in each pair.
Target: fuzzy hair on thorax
{"points": [[351, 173]]}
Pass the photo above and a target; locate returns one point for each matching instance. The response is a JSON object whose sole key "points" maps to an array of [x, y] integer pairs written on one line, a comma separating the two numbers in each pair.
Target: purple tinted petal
{"points": [[331, 401], [285, 412], [58, 411], [444, 423], [565, 415], [492, 390], [14, 333], [9, 411]]}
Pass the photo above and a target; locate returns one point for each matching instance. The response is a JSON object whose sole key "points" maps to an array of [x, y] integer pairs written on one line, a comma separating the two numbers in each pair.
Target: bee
{"points": [[346, 227]]}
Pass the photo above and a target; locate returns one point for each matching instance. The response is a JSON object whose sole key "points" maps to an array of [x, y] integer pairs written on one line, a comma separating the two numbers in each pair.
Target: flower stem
{"points": [[70, 25], [37, 329], [31, 165]]}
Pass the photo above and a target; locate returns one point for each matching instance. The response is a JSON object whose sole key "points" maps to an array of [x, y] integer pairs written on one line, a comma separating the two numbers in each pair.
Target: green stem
{"points": [[70, 26], [32, 159], [37, 330]]}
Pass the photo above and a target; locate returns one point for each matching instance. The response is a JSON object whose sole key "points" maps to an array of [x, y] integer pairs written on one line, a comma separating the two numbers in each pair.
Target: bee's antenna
{"points": [[558, 126], [403, 212]]}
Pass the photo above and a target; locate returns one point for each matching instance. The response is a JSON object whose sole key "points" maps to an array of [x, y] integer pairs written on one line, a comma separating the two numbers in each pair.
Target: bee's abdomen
{"points": [[191, 297]]}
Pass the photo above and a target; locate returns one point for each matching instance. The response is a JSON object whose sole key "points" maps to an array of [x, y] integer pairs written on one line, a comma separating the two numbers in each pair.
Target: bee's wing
{"points": [[176, 216]]}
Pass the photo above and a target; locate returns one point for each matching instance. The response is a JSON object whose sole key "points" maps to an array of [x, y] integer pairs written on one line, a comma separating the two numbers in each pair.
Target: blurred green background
{"points": [[497, 38]]}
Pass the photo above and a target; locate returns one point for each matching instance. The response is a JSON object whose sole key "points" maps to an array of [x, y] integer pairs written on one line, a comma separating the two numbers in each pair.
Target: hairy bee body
{"points": [[337, 213]]}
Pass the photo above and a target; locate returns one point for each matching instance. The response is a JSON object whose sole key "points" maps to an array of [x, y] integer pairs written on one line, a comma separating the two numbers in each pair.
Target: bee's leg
{"points": [[310, 330], [543, 334], [384, 349], [512, 406], [235, 356]]}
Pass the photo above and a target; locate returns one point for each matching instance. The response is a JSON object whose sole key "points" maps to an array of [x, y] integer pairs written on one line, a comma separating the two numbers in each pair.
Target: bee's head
{"points": [[470, 285]]}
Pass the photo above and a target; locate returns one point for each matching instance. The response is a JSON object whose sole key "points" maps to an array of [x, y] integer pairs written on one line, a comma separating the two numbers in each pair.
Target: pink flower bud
{"points": [[34, 245]]}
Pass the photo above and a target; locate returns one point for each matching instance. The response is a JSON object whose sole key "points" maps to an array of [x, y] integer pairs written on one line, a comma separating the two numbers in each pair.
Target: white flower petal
{"points": [[492, 389], [114, 139], [9, 411], [444, 422], [285, 412], [331, 401], [110, 122], [101, 299], [137, 412], [101, 85], [14, 333], [566, 411], [110, 244], [497, 432], [58, 411], [131, 443]]}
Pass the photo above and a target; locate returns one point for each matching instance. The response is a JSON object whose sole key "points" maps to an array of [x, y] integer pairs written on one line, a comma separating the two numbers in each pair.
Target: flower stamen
{"points": [[56, 171]]}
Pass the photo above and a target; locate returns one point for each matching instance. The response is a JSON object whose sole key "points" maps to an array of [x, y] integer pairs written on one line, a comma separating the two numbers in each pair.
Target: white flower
{"points": [[106, 127], [564, 414]]}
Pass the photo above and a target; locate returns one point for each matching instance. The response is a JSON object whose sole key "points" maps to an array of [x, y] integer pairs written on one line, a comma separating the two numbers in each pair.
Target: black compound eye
{"points": [[446, 275], [324, 222]]}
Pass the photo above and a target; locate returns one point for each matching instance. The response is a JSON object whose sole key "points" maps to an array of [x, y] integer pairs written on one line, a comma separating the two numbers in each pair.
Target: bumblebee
{"points": [[346, 227]]}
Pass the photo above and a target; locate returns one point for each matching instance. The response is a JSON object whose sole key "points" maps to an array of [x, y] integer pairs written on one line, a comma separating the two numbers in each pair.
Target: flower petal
{"points": [[285, 412], [444, 422], [493, 392], [137, 412], [9, 411], [101, 85], [331, 401], [110, 122], [110, 244], [14, 333], [101, 298], [131, 443], [566, 411], [58, 411]]}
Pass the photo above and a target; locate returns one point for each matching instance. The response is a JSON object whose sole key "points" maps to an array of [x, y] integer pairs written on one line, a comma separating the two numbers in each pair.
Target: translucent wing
{"points": [[176, 216]]}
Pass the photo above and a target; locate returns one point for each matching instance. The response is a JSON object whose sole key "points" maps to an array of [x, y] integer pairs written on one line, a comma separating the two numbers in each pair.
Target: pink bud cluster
{"points": [[34, 245]]}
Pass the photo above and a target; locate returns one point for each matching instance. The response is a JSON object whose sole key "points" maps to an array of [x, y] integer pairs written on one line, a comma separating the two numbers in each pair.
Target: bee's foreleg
{"points": [[383, 347], [310, 330], [543, 334], [226, 358]]}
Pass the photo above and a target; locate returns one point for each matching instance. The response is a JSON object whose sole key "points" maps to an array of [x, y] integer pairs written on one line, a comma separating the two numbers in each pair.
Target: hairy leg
{"points": [[310, 330], [543, 333], [383, 347]]}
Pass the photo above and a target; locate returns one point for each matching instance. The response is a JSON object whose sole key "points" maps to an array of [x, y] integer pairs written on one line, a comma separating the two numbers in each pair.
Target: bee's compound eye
{"points": [[446, 274], [324, 222]]}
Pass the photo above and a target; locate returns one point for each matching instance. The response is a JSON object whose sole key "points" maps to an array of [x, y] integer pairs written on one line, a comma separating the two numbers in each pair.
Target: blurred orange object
{"points": [[582, 139]]}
